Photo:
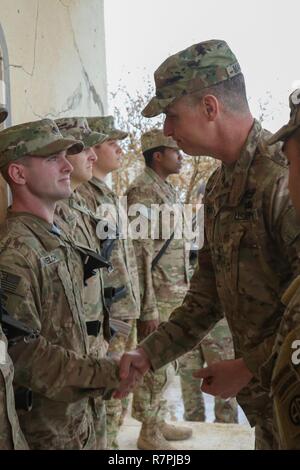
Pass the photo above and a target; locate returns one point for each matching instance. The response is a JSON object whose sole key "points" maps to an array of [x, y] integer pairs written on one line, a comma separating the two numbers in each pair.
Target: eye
{"points": [[52, 158]]}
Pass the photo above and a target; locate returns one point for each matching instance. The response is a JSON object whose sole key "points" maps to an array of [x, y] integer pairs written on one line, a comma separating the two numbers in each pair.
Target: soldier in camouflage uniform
{"points": [[252, 243], [162, 287], [11, 436], [41, 273], [285, 383], [77, 221], [124, 277], [216, 346]]}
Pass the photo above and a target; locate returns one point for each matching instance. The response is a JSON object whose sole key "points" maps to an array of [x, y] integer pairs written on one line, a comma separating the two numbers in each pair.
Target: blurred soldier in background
{"points": [[163, 274]]}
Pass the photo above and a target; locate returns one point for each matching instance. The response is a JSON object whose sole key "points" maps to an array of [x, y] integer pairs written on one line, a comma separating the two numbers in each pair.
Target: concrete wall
{"points": [[53, 59]]}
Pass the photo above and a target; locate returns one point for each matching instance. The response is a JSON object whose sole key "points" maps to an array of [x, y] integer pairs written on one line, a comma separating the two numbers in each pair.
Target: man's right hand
{"points": [[131, 362], [145, 328]]}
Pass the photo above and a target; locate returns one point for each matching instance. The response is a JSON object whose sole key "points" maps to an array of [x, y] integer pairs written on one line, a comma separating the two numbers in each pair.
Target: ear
{"points": [[157, 156], [211, 107], [17, 173]]}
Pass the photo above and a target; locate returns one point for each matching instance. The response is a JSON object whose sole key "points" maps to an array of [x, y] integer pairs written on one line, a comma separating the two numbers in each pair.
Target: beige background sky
{"points": [[264, 34]]}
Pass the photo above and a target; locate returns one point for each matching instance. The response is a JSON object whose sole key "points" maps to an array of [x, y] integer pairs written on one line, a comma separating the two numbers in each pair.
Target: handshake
{"points": [[224, 378], [133, 365]]}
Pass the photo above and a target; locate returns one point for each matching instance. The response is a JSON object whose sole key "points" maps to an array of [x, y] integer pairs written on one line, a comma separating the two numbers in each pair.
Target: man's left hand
{"points": [[225, 378]]}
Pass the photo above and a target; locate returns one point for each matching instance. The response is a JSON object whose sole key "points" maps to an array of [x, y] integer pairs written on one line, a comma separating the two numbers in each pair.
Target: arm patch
{"points": [[9, 282]]}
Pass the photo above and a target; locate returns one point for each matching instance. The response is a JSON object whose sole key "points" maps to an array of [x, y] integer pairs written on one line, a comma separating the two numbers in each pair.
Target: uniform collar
{"points": [[163, 184], [48, 234], [100, 184], [32, 218], [235, 176], [231, 180]]}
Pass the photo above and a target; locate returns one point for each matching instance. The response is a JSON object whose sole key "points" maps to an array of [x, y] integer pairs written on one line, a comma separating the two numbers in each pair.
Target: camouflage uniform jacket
{"points": [[164, 287], [11, 436], [250, 254], [41, 277], [80, 224], [125, 272], [285, 385]]}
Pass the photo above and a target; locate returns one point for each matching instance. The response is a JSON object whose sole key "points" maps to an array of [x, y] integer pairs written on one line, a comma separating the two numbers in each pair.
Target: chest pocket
{"points": [[251, 272], [61, 298], [64, 276], [244, 255], [224, 235]]}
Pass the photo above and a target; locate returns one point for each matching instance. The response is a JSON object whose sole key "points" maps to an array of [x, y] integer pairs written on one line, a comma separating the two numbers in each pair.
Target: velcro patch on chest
{"points": [[50, 259]]}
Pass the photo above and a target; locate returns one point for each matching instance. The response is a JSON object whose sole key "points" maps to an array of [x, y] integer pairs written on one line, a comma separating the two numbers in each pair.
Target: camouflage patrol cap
{"points": [[39, 138], [156, 138], [78, 128], [106, 124], [3, 113], [294, 123], [193, 69]]}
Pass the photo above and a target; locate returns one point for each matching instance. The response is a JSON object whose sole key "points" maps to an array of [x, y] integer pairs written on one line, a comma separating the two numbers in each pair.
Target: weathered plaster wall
{"points": [[53, 58]]}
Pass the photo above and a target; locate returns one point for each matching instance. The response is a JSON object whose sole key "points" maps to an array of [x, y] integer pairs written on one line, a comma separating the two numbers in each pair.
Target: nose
{"points": [[66, 165], [167, 127], [119, 150], [92, 155]]}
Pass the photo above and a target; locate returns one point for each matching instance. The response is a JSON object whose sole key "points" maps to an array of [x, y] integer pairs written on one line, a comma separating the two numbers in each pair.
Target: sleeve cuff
{"points": [[259, 361], [148, 345]]}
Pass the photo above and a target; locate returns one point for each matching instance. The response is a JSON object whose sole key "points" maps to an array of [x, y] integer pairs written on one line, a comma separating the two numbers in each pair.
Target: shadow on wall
{"points": [[4, 76]]}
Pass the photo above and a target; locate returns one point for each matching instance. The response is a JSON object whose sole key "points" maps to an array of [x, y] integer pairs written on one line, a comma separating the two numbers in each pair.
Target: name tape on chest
{"points": [[49, 259]]}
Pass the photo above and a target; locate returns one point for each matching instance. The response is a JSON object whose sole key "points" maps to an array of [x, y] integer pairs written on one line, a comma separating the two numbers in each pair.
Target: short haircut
{"points": [[148, 154], [231, 92], [4, 170]]}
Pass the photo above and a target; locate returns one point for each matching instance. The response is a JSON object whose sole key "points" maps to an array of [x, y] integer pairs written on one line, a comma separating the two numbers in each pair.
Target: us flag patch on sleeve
{"points": [[9, 282]]}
